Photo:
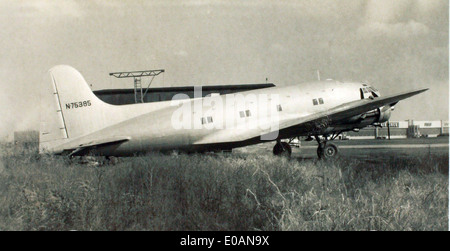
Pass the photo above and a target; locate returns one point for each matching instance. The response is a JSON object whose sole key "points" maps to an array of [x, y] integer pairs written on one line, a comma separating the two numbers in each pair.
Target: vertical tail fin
{"points": [[80, 112]]}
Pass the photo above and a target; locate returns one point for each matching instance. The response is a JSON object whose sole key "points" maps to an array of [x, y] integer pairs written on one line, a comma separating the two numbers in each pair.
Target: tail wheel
{"points": [[328, 151], [282, 149]]}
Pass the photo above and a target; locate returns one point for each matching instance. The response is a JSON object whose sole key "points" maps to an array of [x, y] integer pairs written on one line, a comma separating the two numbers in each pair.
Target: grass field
{"points": [[223, 192]]}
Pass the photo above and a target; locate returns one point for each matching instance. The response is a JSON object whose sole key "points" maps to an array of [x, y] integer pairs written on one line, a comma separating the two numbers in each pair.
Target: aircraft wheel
{"points": [[282, 149], [328, 151]]}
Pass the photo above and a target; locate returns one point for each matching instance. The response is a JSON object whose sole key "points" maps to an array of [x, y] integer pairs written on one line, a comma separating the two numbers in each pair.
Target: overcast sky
{"points": [[396, 45]]}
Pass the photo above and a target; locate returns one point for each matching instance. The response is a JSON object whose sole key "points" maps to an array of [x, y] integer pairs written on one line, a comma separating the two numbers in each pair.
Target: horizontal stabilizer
{"points": [[72, 150]]}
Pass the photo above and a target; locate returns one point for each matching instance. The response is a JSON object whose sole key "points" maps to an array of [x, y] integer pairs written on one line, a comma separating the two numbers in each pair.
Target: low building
{"points": [[402, 129], [431, 128]]}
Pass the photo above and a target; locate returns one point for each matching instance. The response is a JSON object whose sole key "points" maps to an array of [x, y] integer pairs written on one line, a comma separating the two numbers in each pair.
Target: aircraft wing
{"points": [[364, 105], [288, 126], [345, 111], [72, 148]]}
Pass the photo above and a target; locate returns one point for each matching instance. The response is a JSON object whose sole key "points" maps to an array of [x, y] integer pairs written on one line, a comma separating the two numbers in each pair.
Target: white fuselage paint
{"points": [[149, 126]]}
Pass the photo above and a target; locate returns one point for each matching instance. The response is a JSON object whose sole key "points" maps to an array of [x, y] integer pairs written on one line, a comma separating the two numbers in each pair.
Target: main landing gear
{"points": [[325, 150]]}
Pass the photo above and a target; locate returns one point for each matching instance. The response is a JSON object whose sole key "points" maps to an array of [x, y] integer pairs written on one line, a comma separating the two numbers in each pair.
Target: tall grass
{"points": [[221, 192]]}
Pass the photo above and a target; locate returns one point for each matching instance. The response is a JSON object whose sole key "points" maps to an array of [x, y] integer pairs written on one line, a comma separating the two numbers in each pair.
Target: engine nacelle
{"points": [[379, 115], [384, 113]]}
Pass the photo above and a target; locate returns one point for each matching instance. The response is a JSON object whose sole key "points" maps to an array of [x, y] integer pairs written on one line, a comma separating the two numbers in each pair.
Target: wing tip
{"points": [[421, 90], [417, 91]]}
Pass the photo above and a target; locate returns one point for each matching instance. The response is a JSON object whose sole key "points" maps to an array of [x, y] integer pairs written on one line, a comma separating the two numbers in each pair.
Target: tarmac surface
{"points": [[365, 149]]}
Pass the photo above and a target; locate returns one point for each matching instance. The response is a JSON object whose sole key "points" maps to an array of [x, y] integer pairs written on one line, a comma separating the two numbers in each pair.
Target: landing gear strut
{"points": [[325, 150], [282, 149]]}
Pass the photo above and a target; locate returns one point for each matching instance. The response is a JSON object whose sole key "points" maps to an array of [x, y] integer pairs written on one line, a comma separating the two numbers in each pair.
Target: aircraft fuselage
{"points": [[86, 125], [154, 131]]}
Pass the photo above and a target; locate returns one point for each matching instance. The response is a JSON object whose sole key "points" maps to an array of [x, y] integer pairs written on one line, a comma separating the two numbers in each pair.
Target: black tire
{"points": [[328, 152], [282, 149]]}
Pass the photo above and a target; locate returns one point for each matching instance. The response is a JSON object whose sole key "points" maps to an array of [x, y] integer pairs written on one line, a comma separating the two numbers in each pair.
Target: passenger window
{"points": [[321, 101], [242, 114], [210, 120], [203, 121], [248, 113], [279, 108], [315, 102]]}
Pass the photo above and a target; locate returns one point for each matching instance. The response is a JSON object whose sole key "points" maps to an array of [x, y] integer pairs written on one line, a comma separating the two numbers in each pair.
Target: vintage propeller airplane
{"points": [[320, 110]]}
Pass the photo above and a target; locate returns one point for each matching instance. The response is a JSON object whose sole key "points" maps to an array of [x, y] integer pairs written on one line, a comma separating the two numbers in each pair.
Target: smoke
{"points": [[410, 28], [387, 11], [400, 18], [18, 120], [20, 105]]}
